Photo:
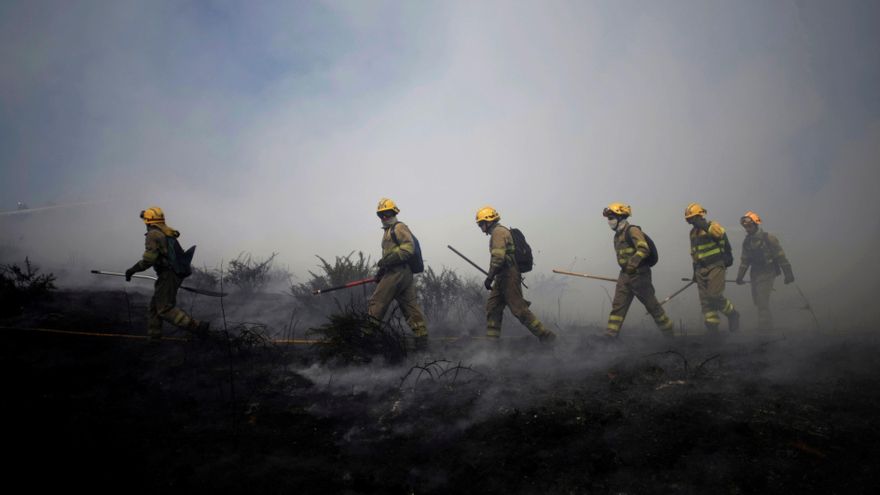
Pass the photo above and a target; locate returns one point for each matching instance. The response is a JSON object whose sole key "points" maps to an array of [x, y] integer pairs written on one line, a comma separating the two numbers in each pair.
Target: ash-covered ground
{"points": [[786, 412]]}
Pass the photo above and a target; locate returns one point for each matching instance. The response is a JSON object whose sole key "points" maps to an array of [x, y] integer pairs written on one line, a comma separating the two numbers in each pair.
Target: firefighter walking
{"points": [[395, 277], [504, 280], [634, 255], [710, 253], [158, 255], [764, 255]]}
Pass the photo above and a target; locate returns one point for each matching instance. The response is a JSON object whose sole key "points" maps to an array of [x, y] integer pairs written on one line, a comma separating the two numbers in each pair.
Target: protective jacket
{"points": [[631, 255], [156, 248], [707, 246], [501, 249], [395, 254], [763, 253]]}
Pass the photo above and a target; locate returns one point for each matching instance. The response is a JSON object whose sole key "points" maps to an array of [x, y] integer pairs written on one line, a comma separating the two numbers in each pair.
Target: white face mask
{"points": [[613, 222]]}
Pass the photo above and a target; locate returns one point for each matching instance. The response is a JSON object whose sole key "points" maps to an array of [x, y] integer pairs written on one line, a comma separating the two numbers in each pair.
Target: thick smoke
{"points": [[277, 128]]}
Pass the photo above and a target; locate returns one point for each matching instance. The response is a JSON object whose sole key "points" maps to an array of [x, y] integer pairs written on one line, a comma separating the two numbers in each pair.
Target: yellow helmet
{"points": [[153, 215], [750, 216], [693, 210], [618, 209], [386, 204], [487, 214]]}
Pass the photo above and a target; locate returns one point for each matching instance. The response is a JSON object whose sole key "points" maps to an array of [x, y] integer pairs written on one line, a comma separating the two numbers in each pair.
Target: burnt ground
{"points": [[748, 414]]}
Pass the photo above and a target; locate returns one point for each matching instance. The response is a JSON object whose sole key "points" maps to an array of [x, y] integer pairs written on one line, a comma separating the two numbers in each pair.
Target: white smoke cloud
{"points": [[278, 128]]}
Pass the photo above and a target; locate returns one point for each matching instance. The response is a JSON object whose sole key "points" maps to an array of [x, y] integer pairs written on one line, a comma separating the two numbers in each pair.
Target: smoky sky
{"points": [[277, 126]]}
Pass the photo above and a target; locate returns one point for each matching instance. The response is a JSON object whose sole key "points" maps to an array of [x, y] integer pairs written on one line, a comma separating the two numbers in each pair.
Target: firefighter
{"points": [[764, 255], [504, 280], [394, 277], [711, 255], [633, 252], [163, 305]]}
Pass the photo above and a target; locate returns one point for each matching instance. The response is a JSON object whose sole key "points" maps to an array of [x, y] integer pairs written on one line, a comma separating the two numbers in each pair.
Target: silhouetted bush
{"points": [[353, 337], [343, 270], [203, 278], [448, 299], [248, 274], [22, 286]]}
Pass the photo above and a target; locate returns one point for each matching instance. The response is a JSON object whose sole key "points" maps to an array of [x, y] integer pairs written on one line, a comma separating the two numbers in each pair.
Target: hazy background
{"points": [[277, 126]]}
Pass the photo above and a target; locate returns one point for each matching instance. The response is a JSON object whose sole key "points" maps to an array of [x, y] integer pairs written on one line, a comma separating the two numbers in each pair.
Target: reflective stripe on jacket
{"points": [[762, 250], [706, 246], [501, 248], [625, 251], [156, 246], [405, 249]]}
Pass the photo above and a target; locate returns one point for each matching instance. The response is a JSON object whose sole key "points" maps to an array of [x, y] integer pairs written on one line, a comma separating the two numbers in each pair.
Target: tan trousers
{"points": [[163, 305], [398, 285], [710, 285], [507, 291], [635, 285], [762, 285]]}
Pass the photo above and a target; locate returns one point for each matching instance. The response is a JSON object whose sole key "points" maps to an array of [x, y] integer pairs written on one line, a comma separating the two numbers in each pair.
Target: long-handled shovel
{"points": [[585, 275], [683, 279], [679, 291], [344, 286], [808, 307], [150, 277], [478, 266]]}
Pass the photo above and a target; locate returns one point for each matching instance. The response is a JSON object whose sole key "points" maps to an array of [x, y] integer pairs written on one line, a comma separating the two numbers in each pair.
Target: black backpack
{"points": [[179, 260], [652, 258], [522, 251], [726, 251], [416, 263]]}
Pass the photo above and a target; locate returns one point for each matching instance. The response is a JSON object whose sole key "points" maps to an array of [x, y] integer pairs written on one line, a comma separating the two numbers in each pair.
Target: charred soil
{"points": [[237, 413]]}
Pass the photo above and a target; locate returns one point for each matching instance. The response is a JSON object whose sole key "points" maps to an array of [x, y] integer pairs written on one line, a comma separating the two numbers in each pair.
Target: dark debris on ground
{"points": [[241, 416]]}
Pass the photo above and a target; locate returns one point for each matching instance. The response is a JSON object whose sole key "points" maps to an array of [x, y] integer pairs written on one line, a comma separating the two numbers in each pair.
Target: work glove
{"points": [[631, 268], [789, 276], [701, 223], [129, 273], [740, 277], [389, 259], [490, 277]]}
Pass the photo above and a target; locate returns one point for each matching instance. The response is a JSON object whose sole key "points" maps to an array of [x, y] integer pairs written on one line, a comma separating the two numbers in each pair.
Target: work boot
{"points": [[547, 337], [733, 320]]}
